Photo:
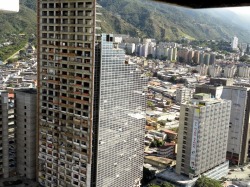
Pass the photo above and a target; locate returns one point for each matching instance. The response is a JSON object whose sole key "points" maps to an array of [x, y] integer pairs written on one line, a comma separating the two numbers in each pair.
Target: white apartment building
{"points": [[234, 44], [183, 95], [244, 71], [229, 71], [202, 69], [239, 133], [214, 71], [203, 135]]}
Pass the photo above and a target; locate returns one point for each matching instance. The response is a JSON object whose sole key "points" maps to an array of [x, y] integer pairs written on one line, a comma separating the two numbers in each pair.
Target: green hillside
{"points": [[15, 23], [17, 29], [142, 18], [166, 22]]}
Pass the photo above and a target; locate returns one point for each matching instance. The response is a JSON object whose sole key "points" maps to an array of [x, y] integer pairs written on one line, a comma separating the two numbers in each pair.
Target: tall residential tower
{"points": [[202, 137], [90, 100]]}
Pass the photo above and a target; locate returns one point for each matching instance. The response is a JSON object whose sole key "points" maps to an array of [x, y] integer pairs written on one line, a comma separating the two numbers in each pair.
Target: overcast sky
{"points": [[241, 10], [9, 5]]}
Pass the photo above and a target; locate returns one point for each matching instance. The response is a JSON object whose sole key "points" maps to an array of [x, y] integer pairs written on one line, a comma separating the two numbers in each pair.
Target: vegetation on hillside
{"points": [[16, 28], [166, 22], [7, 51], [141, 18]]}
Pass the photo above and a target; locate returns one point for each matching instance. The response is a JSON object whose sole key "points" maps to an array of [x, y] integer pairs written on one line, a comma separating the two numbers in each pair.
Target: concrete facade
{"points": [[239, 131], [18, 133], [203, 135], [84, 126], [8, 139], [26, 102], [183, 95]]}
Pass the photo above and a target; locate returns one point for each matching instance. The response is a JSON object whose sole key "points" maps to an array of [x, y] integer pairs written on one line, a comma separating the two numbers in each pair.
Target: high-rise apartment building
{"points": [[202, 137], [18, 133], [89, 126], [234, 44], [8, 138], [239, 128], [25, 113]]}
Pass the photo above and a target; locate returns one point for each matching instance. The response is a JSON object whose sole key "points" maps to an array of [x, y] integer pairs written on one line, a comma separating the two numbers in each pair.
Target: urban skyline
{"points": [[109, 110]]}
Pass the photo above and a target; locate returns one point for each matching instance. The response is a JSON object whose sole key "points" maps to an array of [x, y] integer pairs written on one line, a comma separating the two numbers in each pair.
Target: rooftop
{"points": [[169, 131], [174, 177], [27, 90], [161, 160]]}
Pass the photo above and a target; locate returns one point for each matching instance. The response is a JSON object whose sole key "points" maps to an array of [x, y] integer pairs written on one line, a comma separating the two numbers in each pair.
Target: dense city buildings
{"points": [[203, 135], [91, 102], [88, 123]]}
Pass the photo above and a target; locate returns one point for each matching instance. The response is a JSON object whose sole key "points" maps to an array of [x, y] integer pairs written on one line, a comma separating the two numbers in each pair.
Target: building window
{"points": [[24, 132], [24, 120], [24, 126], [25, 113], [24, 107]]}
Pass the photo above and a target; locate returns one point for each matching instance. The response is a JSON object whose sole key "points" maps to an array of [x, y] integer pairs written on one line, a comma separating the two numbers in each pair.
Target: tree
{"points": [[153, 185], [166, 184], [173, 79], [168, 102], [219, 57], [150, 56], [162, 123], [153, 144], [207, 182], [244, 58], [150, 103], [159, 143]]}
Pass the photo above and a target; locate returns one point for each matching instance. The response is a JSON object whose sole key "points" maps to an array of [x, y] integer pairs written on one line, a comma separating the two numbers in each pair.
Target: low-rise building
{"points": [[183, 95], [167, 150]]}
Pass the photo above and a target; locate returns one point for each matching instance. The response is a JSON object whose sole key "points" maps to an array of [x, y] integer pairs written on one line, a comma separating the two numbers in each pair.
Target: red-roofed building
{"points": [[171, 135], [10, 95]]}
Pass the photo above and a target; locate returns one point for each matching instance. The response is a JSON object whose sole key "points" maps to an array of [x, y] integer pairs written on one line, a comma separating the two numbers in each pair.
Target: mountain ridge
{"points": [[145, 18]]}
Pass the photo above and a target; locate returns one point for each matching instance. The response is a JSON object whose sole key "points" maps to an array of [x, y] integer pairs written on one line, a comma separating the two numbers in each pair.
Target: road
{"points": [[15, 54]]}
